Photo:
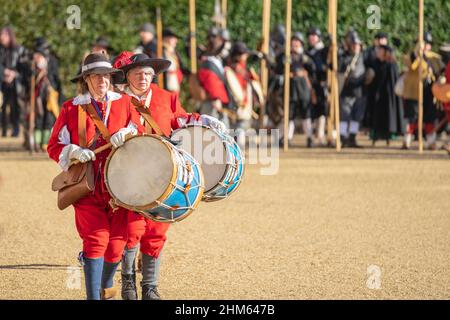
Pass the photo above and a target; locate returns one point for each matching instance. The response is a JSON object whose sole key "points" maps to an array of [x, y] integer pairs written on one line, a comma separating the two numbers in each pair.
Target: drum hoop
{"points": [[211, 198], [154, 203], [194, 205], [223, 143]]}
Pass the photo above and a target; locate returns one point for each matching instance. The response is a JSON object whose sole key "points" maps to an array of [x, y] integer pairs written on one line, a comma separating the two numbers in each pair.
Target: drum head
{"points": [[140, 171], [205, 146]]}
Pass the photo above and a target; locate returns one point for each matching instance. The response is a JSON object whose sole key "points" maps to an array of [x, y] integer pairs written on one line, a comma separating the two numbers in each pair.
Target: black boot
{"points": [[150, 293], [129, 291], [15, 132], [344, 142], [352, 141], [309, 142]]}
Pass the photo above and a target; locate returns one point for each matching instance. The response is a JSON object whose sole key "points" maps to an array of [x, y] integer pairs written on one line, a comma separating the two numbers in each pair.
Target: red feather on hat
{"points": [[123, 59]]}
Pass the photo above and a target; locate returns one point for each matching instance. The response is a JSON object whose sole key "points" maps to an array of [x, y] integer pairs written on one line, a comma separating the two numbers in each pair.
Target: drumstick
{"points": [[98, 150], [230, 113]]}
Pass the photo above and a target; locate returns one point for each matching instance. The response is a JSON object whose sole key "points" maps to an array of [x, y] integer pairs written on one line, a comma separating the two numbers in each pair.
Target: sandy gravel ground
{"points": [[324, 227]]}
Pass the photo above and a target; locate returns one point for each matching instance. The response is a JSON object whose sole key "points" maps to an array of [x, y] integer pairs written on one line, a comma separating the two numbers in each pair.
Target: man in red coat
{"points": [[211, 76], [165, 108]]}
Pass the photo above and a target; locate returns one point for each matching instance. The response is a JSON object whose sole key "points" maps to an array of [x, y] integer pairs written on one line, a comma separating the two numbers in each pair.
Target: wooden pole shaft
{"points": [[224, 13], [420, 97], [287, 69], [334, 74], [265, 50], [159, 48], [330, 100], [32, 117], [193, 40]]}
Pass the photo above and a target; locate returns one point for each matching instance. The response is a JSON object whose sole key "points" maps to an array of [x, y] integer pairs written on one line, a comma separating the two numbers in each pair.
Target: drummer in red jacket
{"points": [[104, 232], [165, 108]]}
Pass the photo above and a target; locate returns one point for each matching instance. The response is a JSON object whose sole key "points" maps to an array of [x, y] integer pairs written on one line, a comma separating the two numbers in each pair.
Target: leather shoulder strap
{"points": [[82, 127], [147, 116], [97, 121]]}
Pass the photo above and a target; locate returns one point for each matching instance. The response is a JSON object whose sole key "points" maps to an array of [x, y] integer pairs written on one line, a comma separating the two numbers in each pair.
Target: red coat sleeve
{"points": [[213, 86], [54, 147], [179, 112]]}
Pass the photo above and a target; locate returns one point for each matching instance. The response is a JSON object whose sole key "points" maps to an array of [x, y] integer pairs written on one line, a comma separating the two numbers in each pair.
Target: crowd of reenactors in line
{"points": [[376, 96]]}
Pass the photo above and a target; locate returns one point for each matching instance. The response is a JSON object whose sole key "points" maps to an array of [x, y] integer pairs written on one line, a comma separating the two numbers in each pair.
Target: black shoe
{"points": [[15, 132], [150, 293], [281, 144], [309, 143], [129, 291], [344, 142], [352, 142]]}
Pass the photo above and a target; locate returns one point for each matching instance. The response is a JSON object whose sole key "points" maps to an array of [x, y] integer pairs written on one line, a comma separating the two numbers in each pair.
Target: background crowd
{"points": [[377, 83]]}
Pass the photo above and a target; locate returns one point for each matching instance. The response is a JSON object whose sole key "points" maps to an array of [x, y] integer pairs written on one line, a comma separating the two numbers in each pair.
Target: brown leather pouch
{"points": [[79, 180], [74, 184]]}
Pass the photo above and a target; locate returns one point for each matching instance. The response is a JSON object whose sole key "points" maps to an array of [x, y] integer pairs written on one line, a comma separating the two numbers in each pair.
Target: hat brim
{"points": [[159, 65], [100, 70], [171, 34]]}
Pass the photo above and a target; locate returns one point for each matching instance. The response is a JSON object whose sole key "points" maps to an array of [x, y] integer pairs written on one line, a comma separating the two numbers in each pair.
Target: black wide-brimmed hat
{"points": [[102, 42], [239, 48], [314, 31], [96, 63], [299, 36], [167, 32], [127, 61]]}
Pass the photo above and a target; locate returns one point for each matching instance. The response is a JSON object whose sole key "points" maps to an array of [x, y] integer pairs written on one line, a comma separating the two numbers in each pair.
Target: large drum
{"points": [[149, 175], [218, 154]]}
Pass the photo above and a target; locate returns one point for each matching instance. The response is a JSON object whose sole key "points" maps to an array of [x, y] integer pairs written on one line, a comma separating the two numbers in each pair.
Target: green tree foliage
{"points": [[120, 21]]}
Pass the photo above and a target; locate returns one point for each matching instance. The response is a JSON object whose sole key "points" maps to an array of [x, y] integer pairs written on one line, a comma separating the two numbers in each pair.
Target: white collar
{"points": [[319, 46], [131, 94], [86, 98]]}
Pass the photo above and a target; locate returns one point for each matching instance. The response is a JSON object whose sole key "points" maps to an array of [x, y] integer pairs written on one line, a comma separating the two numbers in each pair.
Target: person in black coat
{"points": [[352, 70], [319, 54], [148, 43], [301, 69], [13, 59], [387, 113]]}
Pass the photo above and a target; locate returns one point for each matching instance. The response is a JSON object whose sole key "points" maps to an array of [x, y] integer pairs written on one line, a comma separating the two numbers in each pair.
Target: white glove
{"points": [[213, 123], [71, 152], [118, 138], [83, 155]]}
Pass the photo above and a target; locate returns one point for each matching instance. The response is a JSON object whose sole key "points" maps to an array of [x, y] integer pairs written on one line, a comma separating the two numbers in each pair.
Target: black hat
{"points": [[386, 48], [213, 32], [353, 37], [314, 30], [225, 34], [239, 48], [381, 35], [299, 36], [148, 27], [102, 42], [167, 32], [41, 42], [42, 50], [95, 63], [125, 64]]}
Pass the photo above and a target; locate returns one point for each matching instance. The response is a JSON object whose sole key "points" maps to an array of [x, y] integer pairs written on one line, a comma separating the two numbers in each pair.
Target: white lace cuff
{"points": [[64, 156]]}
